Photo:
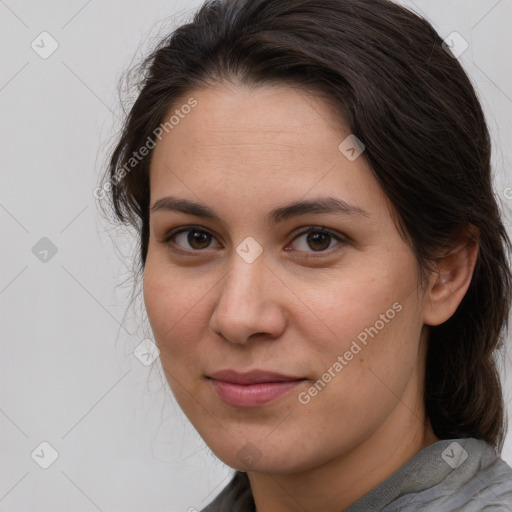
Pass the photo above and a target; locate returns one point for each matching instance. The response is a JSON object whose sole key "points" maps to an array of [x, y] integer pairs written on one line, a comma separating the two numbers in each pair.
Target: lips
{"points": [[253, 377], [252, 389]]}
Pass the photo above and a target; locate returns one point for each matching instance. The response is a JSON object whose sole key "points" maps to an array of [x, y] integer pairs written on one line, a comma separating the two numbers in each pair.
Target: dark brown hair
{"points": [[384, 69]]}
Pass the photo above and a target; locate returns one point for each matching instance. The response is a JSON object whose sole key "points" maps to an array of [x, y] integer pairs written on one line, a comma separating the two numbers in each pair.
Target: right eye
{"points": [[191, 239]]}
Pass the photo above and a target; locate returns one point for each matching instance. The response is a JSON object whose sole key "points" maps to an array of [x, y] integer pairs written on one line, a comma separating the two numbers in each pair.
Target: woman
{"points": [[324, 263]]}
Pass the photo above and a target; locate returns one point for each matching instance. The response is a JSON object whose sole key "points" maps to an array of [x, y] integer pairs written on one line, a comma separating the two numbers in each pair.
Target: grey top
{"points": [[455, 475]]}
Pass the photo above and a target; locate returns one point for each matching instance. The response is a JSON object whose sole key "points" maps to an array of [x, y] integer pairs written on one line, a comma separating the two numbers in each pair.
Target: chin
{"points": [[277, 457]]}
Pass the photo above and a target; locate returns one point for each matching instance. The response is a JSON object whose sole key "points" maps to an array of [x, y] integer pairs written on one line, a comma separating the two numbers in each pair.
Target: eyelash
{"points": [[168, 240]]}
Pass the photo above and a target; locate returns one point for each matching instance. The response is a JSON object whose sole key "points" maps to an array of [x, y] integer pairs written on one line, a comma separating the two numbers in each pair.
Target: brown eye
{"points": [[198, 239], [316, 240], [190, 239]]}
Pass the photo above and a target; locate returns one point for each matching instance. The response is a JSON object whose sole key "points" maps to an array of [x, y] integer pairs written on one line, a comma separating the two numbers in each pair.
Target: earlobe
{"points": [[450, 283]]}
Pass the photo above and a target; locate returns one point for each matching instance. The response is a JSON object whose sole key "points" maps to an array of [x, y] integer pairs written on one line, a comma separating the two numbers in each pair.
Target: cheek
{"points": [[358, 302], [374, 322], [173, 303], [177, 317]]}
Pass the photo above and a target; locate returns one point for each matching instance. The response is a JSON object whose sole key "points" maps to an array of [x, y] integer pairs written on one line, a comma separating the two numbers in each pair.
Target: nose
{"points": [[249, 304]]}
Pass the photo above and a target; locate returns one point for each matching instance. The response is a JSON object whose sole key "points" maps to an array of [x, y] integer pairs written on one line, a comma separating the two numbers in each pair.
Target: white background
{"points": [[68, 373]]}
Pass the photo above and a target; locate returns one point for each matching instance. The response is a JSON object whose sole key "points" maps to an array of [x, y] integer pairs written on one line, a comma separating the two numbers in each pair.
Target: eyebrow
{"points": [[280, 214]]}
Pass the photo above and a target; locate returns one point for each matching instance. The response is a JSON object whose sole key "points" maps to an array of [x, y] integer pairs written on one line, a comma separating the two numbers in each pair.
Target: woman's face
{"points": [[285, 349]]}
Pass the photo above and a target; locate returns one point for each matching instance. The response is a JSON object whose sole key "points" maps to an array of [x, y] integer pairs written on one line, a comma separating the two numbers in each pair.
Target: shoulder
{"points": [[463, 475], [477, 480]]}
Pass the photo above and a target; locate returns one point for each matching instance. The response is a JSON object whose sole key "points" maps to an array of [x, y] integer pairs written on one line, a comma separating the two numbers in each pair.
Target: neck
{"points": [[342, 481]]}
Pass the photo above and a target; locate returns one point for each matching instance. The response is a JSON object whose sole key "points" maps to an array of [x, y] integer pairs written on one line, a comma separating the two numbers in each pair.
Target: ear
{"points": [[448, 285]]}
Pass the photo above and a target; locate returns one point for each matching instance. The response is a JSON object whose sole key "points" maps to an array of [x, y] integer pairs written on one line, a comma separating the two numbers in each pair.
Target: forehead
{"points": [[271, 141], [266, 121]]}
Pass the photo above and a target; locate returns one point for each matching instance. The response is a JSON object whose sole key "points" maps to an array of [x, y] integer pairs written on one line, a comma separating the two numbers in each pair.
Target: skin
{"points": [[294, 309]]}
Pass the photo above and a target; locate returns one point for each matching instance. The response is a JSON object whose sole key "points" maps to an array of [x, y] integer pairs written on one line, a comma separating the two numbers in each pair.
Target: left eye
{"points": [[317, 239]]}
